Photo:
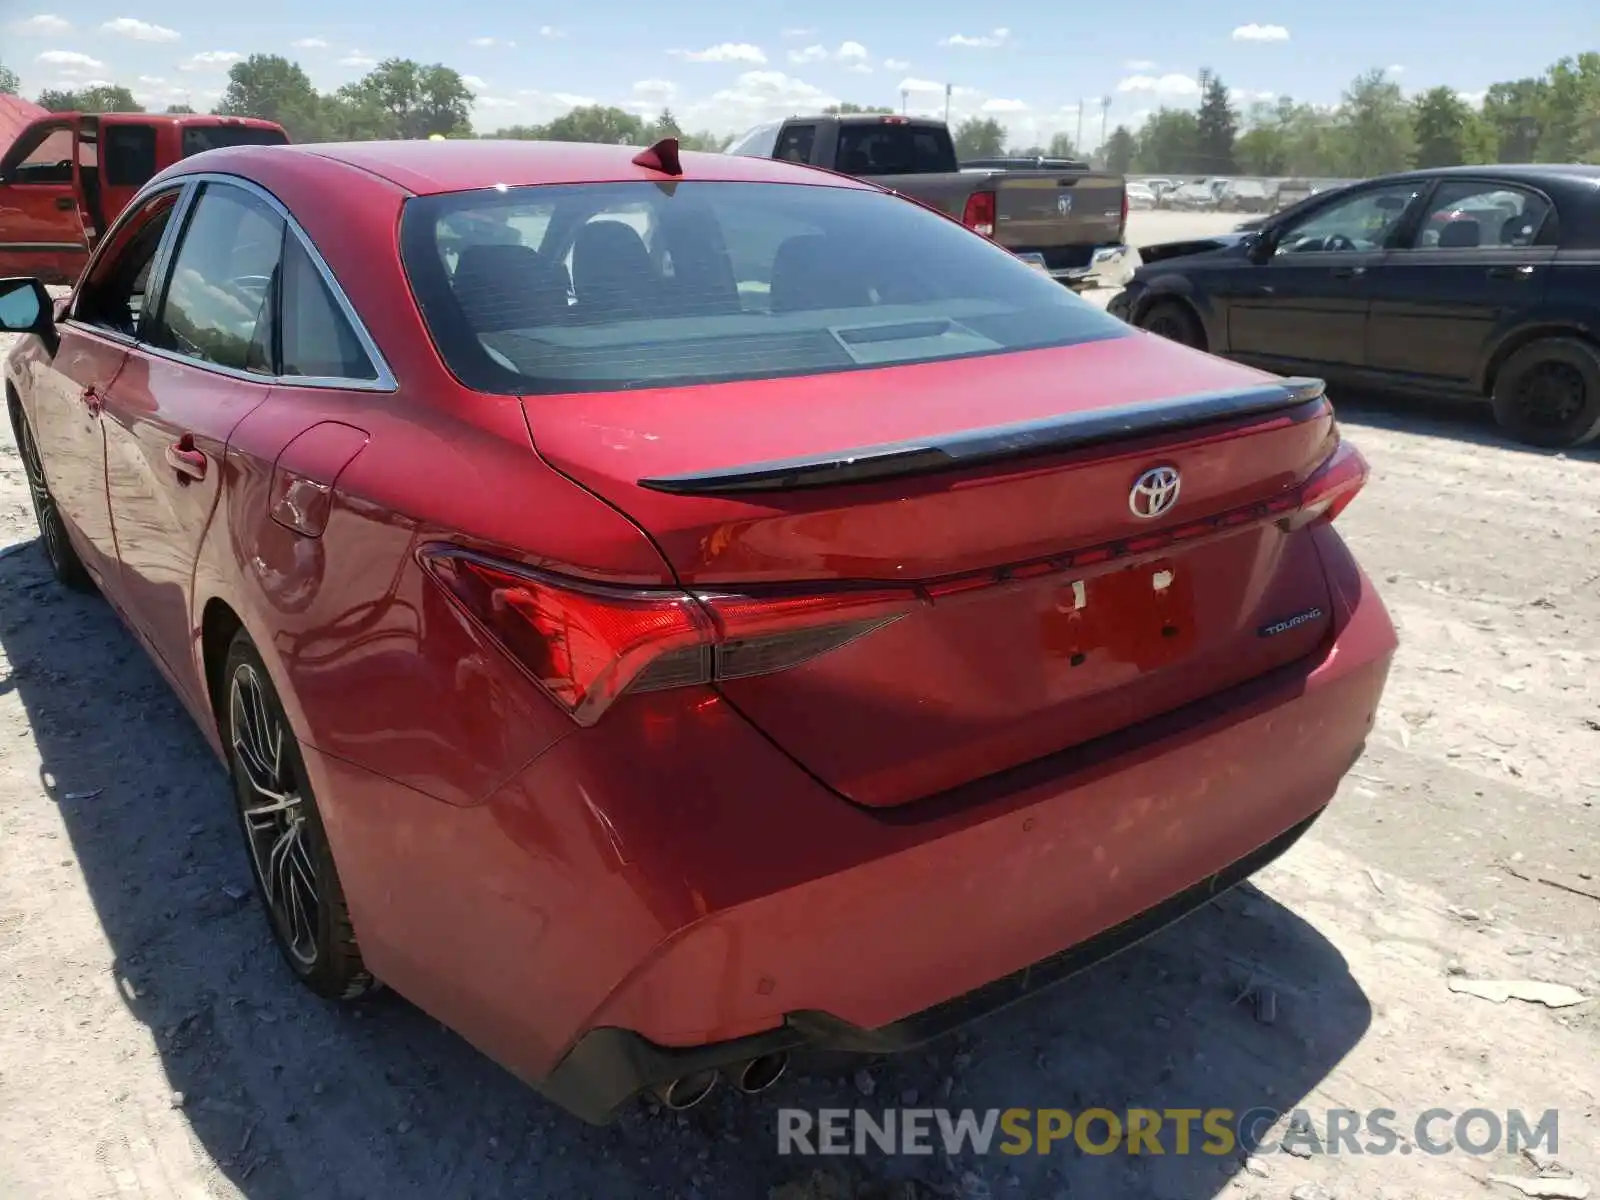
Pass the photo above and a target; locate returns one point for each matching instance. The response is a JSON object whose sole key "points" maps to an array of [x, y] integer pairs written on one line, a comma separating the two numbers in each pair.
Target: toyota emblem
{"points": [[1154, 492]]}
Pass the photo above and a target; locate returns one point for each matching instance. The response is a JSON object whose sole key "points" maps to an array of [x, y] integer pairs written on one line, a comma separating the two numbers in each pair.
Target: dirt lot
{"points": [[152, 1046]]}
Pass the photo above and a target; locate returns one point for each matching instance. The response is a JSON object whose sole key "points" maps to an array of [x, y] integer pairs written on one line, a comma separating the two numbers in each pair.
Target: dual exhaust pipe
{"points": [[751, 1077]]}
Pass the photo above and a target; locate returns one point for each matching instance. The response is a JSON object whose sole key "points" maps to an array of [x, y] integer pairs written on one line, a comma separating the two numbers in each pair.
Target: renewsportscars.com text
{"points": [[1178, 1131]]}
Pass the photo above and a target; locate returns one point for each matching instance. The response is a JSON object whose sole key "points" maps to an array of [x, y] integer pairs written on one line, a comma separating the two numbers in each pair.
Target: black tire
{"points": [[283, 833], [1175, 321], [65, 564], [1547, 393]]}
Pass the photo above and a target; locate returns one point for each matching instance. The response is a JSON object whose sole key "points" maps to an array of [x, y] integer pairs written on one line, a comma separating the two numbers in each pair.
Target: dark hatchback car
{"points": [[1478, 282]]}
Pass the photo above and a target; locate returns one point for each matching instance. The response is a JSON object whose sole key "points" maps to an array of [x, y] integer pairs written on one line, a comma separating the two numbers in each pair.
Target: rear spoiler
{"points": [[997, 443]]}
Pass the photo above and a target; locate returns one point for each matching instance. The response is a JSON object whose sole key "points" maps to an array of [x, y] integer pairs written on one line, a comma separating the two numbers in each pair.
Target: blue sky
{"points": [[726, 64]]}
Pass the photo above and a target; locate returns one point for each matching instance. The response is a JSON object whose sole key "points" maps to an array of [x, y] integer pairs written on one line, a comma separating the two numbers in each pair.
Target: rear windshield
{"points": [[199, 138], [600, 287], [883, 148]]}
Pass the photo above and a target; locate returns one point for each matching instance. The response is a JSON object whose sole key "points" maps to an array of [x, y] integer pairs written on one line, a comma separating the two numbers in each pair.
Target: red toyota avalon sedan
{"points": [[659, 613]]}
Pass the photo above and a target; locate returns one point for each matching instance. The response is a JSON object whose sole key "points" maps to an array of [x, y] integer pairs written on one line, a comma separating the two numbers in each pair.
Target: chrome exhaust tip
{"points": [[762, 1072], [686, 1091]]}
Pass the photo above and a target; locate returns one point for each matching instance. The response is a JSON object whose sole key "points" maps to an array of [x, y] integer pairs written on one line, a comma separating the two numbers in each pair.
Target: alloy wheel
{"points": [[274, 812], [44, 505]]}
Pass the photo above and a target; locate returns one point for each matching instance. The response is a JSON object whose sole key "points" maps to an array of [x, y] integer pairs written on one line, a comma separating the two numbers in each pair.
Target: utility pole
{"points": [[1105, 113], [948, 88], [1078, 141]]}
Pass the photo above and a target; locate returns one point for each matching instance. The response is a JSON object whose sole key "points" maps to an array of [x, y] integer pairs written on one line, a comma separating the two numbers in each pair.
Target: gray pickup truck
{"points": [[1068, 222]]}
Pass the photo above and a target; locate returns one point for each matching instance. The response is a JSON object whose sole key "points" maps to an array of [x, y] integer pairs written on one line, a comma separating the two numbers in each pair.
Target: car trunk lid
{"points": [[981, 517]]}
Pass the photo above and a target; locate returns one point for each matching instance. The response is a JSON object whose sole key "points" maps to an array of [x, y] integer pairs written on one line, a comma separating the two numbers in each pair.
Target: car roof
{"points": [[427, 168]]}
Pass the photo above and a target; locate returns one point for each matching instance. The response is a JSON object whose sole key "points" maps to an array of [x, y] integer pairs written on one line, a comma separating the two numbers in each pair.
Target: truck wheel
{"points": [[1175, 321], [1548, 393]]}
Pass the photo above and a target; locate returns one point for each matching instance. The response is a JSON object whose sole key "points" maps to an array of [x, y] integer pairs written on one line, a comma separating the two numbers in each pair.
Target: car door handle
{"points": [[183, 458], [1349, 272], [1522, 272], [66, 203]]}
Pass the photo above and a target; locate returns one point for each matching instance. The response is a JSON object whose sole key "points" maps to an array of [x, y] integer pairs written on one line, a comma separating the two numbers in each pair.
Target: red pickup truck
{"points": [[66, 176]]}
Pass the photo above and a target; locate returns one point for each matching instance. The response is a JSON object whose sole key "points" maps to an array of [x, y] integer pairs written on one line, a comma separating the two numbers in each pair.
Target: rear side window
{"points": [[218, 305], [893, 149], [603, 287], [130, 155], [318, 342], [795, 144], [199, 138], [1469, 215]]}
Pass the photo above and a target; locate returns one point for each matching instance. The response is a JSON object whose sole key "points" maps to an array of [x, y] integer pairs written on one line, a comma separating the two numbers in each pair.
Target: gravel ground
{"points": [[152, 1046]]}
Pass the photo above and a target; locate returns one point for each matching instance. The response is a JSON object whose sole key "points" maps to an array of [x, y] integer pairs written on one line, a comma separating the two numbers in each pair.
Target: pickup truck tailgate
{"points": [[1042, 210]]}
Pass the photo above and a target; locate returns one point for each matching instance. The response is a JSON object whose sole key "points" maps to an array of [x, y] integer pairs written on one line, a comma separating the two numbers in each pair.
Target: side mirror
{"points": [[25, 307], [1264, 246]]}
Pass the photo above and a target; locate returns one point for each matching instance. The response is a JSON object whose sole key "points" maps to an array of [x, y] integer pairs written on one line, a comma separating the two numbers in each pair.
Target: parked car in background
{"points": [[1140, 197], [67, 176], [1292, 191], [1193, 197], [1070, 222], [1466, 281], [879, 633], [1244, 195]]}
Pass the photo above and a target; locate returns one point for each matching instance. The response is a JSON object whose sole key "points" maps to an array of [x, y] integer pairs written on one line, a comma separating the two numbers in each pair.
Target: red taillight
{"points": [[979, 213], [586, 644], [1330, 489]]}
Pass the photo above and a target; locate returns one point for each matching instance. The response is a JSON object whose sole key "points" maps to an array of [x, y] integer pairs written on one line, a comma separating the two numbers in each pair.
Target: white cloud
{"points": [[913, 84], [896, 64], [309, 43], [658, 90], [484, 43], [499, 102], [982, 41], [1140, 64], [1475, 99], [71, 62], [1395, 69], [793, 33], [152, 80], [140, 31], [1261, 33], [726, 52], [211, 60], [547, 31], [357, 59], [475, 83], [998, 105], [43, 25], [852, 55], [1173, 86], [754, 97], [565, 99]]}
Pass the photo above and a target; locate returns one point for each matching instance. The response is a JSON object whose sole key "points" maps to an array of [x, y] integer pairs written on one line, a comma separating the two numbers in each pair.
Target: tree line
{"points": [[398, 98], [1375, 127]]}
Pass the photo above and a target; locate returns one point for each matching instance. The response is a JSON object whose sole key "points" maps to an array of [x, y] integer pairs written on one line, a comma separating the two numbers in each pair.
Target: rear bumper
{"points": [[1109, 266], [666, 891], [609, 1066]]}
